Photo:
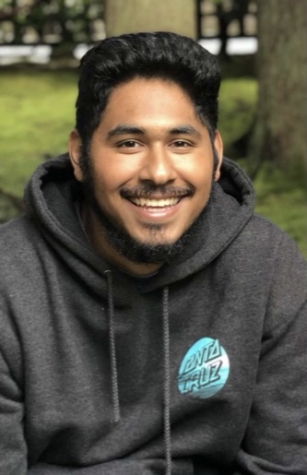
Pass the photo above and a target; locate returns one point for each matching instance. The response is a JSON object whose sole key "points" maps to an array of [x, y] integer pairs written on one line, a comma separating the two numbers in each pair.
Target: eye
{"points": [[128, 144], [181, 144]]}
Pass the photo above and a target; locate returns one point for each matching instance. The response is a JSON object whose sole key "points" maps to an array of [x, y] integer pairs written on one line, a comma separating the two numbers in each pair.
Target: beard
{"points": [[157, 250]]}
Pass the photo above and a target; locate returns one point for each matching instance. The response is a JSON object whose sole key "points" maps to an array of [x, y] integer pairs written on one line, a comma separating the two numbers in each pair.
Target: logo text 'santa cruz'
{"points": [[204, 369]]}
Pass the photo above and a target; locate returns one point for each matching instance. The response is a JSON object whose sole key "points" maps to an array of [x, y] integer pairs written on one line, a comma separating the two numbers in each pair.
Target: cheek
{"points": [[106, 178], [115, 173], [199, 173]]}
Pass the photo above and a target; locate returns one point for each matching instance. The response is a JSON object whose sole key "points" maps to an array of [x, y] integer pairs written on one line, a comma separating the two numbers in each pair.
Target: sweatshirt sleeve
{"points": [[13, 452], [276, 436]]}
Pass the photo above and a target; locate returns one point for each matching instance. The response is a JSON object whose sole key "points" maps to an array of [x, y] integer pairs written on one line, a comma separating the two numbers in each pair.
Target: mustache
{"points": [[151, 190]]}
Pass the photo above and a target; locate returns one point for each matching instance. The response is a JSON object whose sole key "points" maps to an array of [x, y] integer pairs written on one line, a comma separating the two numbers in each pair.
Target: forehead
{"points": [[149, 101], [138, 84]]}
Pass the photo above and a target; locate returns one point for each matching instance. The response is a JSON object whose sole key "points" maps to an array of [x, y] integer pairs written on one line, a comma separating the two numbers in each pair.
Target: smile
{"points": [[155, 203]]}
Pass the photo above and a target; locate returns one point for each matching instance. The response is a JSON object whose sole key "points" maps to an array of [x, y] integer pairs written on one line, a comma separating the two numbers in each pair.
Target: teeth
{"points": [[155, 203]]}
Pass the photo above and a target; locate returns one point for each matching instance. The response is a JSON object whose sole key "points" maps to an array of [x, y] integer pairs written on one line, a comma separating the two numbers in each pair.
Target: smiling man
{"points": [[148, 173], [151, 323]]}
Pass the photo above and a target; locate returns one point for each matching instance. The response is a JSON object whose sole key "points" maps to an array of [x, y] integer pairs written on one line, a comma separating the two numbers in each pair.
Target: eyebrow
{"points": [[130, 129], [186, 130], [125, 129]]}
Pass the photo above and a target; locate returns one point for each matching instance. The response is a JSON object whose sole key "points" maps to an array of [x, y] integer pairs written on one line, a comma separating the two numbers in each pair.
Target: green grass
{"points": [[283, 200], [37, 113], [238, 98]]}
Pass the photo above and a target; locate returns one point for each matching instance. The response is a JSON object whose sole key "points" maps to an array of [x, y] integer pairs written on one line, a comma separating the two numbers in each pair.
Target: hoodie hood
{"points": [[51, 197]]}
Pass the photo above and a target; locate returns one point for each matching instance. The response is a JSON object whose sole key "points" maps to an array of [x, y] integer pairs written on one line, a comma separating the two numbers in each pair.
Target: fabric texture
{"points": [[200, 369]]}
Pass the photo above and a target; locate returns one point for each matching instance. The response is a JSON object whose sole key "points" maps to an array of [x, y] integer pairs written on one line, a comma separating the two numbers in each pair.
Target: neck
{"points": [[97, 236]]}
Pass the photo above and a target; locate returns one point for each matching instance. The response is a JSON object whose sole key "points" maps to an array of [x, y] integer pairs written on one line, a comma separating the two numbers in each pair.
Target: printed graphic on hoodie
{"points": [[204, 369]]}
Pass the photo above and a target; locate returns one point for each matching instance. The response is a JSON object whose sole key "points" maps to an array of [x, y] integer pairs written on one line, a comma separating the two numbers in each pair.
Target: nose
{"points": [[158, 166]]}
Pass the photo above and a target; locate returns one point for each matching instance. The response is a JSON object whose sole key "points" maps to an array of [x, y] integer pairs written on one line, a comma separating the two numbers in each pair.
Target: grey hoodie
{"points": [[200, 369]]}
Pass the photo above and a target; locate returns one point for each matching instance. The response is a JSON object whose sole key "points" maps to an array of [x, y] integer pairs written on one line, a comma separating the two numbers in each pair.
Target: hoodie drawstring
{"points": [[167, 380], [114, 378], [166, 367]]}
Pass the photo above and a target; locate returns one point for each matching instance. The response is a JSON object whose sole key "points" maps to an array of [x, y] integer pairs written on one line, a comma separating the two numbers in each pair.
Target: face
{"points": [[151, 161]]}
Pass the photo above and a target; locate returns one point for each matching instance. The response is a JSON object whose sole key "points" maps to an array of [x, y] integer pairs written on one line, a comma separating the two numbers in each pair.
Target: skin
{"points": [[149, 135]]}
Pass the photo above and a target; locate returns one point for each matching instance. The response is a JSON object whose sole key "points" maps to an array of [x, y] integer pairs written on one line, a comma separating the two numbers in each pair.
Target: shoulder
{"points": [[274, 258], [264, 254], [17, 235], [19, 243], [268, 240]]}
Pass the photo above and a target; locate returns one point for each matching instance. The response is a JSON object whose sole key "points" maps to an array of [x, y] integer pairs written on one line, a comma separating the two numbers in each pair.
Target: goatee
{"points": [[158, 250]]}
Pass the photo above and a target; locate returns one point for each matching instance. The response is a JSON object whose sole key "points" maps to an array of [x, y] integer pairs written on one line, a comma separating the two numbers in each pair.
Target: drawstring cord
{"points": [[167, 378], [114, 378]]}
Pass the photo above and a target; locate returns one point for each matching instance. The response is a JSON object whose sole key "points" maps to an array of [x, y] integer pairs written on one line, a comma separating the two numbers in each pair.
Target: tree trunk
{"points": [[130, 16], [279, 134]]}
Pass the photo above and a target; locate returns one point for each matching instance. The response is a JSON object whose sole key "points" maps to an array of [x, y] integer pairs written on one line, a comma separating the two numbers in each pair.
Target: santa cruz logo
{"points": [[204, 369]]}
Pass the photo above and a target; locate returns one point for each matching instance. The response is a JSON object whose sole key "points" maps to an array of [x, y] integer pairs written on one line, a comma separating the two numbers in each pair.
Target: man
{"points": [[150, 322]]}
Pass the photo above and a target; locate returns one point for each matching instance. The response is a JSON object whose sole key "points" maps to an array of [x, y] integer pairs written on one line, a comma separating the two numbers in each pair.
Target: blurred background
{"points": [[262, 48]]}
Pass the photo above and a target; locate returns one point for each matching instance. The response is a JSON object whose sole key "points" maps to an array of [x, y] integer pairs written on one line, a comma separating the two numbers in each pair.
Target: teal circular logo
{"points": [[204, 369]]}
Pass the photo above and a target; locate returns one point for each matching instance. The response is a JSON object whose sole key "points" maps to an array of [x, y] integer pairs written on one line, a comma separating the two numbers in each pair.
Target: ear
{"points": [[218, 145], [74, 150]]}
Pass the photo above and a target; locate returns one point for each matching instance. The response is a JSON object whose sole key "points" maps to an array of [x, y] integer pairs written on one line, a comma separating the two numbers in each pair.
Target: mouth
{"points": [[156, 198], [156, 202]]}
